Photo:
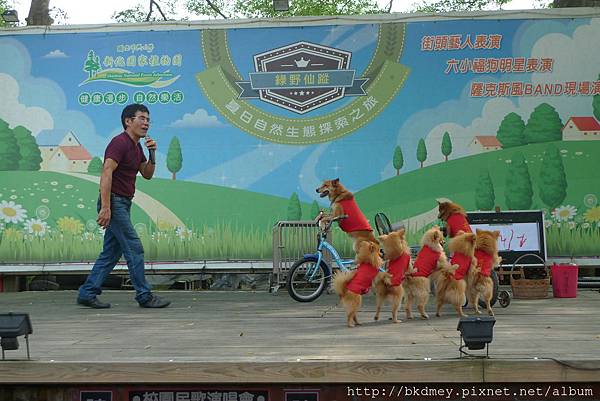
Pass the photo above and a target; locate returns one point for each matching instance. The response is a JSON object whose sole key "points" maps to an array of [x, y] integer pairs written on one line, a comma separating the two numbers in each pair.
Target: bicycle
{"points": [[310, 276]]}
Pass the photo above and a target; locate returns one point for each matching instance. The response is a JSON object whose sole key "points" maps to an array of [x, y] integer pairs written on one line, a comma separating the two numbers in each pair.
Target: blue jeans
{"points": [[120, 238]]}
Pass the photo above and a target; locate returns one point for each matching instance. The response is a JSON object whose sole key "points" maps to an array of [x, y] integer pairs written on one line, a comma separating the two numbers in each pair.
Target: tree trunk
{"points": [[173, 177], [575, 3], [397, 172], [39, 13]]}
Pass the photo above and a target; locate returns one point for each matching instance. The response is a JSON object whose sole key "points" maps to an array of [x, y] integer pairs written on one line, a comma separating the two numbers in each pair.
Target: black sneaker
{"points": [[93, 303], [155, 302]]}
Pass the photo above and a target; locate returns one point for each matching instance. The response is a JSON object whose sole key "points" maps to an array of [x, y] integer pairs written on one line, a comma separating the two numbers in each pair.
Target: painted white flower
{"points": [[508, 161], [586, 225], [547, 223], [54, 183], [35, 184], [80, 206], [2, 226], [571, 225], [183, 233], [11, 212], [36, 227], [564, 213], [68, 186], [42, 212], [45, 200], [13, 197]]}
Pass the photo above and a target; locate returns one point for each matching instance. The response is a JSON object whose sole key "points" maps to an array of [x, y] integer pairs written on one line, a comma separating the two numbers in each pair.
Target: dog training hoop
{"points": [[383, 224]]}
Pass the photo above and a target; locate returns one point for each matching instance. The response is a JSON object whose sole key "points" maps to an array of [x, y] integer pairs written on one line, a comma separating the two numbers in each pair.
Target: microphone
{"points": [[152, 156]]}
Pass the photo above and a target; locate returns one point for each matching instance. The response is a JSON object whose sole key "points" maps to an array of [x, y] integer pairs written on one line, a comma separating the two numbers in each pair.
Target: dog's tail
{"points": [[341, 280], [384, 278]]}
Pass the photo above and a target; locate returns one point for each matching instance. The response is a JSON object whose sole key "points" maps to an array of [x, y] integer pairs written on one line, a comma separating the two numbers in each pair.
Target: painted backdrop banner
{"points": [[498, 113]]}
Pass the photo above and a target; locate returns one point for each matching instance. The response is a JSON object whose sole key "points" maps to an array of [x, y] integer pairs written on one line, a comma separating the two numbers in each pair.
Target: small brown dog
{"points": [[342, 201], [430, 257], [455, 217], [352, 285], [479, 282], [388, 285], [450, 286]]}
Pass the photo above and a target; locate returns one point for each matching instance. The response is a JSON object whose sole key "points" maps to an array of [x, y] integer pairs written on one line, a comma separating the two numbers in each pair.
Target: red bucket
{"points": [[564, 281]]}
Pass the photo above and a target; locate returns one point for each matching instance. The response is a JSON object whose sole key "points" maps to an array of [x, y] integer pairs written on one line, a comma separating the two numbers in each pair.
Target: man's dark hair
{"points": [[130, 110]]}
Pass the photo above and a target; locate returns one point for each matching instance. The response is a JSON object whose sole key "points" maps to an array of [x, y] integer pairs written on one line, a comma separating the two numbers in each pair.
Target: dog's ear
{"points": [[496, 234], [477, 231], [471, 238], [460, 232], [401, 232], [372, 247], [335, 181], [383, 237]]}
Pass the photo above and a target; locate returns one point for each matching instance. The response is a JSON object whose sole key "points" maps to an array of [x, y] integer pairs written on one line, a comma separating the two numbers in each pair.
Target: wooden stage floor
{"points": [[251, 337]]}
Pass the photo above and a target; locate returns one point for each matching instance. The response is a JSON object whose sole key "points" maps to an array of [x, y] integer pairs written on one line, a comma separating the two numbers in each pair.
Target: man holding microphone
{"points": [[123, 159]]}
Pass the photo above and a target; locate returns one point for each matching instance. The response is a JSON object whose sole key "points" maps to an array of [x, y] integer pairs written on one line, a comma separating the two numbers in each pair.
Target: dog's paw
{"points": [[425, 317]]}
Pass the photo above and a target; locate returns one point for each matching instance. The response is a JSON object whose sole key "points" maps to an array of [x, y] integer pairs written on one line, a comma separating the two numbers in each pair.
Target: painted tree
{"points": [[596, 104], [398, 160], [9, 149], [544, 125], [446, 145], [174, 157], [421, 151], [518, 192], [314, 210], [553, 180], [511, 131], [95, 166], [294, 210], [485, 198], [31, 157], [91, 64]]}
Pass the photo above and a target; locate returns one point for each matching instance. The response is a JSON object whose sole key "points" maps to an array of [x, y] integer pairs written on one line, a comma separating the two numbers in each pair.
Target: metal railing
{"points": [[291, 241]]}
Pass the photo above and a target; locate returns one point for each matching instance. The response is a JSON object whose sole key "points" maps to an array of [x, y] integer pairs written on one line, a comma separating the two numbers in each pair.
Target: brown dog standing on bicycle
{"points": [[342, 201]]}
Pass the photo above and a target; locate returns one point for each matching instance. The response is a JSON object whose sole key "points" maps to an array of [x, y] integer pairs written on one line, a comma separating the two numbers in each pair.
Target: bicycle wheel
{"points": [[306, 281], [382, 223]]}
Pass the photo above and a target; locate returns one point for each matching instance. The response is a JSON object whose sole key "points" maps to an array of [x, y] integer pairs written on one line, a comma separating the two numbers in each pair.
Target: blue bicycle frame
{"points": [[341, 263]]}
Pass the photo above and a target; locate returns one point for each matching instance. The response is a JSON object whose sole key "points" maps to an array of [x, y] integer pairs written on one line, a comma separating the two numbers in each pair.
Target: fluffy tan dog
{"points": [[479, 282], [430, 257], [352, 285], [450, 286], [342, 201], [388, 285], [455, 217]]}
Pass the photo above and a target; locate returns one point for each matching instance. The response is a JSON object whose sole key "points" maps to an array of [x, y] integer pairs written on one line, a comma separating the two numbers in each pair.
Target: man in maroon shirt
{"points": [[123, 159]]}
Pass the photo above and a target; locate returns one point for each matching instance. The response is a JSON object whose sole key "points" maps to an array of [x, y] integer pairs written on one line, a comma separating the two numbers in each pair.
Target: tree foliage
{"points": [[140, 12], [398, 160], [264, 8], [441, 6], [174, 157], [553, 180], [31, 157], [95, 166], [485, 197], [446, 145], [518, 191], [294, 211], [596, 105], [9, 149], [421, 151], [544, 125], [510, 132]]}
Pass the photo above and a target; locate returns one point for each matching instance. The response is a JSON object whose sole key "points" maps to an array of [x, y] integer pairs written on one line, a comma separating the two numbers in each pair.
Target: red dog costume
{"points": [[463, 261], [362, 280], [426, 261], [356, 220], [397, 267], [457, 222], [484, 262]]}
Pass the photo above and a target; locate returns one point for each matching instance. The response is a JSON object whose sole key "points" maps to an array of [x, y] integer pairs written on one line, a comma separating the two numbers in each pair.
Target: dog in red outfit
{"points": [[479, 281], [450, 284], [388, 284], [455, 217], [430, 258], [352, 285], [342, 201]]}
